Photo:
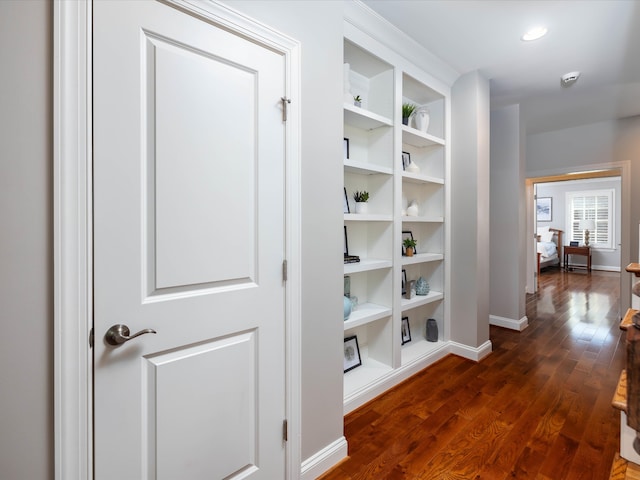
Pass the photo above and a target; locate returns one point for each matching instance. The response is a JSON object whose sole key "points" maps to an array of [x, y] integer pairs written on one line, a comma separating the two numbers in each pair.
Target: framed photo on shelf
{"points": [[345, 146], [407, 234], [404, 282], [543, 209], [348, 258], [574, 243], [406, 331], [346, 243], [351, 353], [406, 160], [345, 205]]}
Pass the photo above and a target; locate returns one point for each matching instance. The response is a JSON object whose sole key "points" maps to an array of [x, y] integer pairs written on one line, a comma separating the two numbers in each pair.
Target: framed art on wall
{"points": [[543, 209]]}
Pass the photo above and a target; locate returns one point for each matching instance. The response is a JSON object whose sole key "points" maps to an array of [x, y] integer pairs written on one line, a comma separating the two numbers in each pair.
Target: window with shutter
{"points": [[596, 205]]}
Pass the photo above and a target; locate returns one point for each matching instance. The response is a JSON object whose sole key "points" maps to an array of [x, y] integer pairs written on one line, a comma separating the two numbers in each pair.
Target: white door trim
{"points": [[73, 224], [72, 239]]}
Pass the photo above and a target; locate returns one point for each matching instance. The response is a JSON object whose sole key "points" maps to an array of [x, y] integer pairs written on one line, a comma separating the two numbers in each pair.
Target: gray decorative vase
{"points": [[432, 330], [422, 287]]}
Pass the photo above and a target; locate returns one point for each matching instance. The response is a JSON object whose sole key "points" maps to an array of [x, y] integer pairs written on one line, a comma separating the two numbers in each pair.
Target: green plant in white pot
{"points": [[407, 111], [361, 198]]}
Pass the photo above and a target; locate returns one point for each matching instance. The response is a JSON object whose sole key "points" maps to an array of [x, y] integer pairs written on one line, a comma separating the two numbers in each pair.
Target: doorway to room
{"points": [[550, 208]]}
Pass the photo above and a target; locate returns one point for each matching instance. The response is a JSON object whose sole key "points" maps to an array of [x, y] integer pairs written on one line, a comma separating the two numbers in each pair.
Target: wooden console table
{"points": [[584, 251]]}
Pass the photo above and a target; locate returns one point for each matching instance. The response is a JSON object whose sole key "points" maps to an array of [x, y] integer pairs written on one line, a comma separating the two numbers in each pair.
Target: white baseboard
{"points": [[606, 268], [472, 353], [510, 323], [602, 268], [321, 461]]}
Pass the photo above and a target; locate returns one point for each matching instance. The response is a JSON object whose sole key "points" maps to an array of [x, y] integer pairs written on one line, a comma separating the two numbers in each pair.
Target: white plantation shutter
{"points": [[596, 205]]}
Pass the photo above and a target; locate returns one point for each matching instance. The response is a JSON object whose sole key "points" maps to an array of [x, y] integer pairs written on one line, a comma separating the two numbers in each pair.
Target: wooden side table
{"points": [[584, 251]]}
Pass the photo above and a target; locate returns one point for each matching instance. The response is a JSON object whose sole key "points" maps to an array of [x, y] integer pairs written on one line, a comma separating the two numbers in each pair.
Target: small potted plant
{"points": [[361, 199], [357, 101], [409, 246], [407, 110]]}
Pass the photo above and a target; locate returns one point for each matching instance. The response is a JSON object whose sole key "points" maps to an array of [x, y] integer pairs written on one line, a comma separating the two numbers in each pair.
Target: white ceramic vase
{"points": [[421, 119], [362, 207], [412, 209], [413, 168]]}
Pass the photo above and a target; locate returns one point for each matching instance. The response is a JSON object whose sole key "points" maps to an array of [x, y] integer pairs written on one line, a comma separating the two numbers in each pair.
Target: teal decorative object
{"points": [[422, 287], [347, 308]]}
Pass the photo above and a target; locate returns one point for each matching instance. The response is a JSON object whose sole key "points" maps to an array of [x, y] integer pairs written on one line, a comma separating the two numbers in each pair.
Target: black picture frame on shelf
{"points": [[406, 160], [406, 330], [345, 205], [348, 258], [346, 243], [404, 281], [407, 234], [574, 243], [345, 146], [351, 353]]}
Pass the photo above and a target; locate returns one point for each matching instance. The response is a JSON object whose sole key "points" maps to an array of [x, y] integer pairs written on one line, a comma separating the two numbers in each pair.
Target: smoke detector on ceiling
{"points": [[569, 79]]}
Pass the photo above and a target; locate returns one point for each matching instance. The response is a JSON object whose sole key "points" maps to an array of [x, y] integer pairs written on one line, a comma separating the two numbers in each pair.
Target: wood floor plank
{"points": [[618, 468], [539, 407], [633, 471]]}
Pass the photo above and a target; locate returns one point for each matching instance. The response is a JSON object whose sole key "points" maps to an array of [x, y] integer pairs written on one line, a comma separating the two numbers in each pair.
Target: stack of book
{"points": [[351, 258]]}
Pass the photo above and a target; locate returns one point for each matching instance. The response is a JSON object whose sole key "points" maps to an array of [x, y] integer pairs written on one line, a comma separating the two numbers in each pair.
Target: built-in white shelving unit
{"points": [[377, 141]]}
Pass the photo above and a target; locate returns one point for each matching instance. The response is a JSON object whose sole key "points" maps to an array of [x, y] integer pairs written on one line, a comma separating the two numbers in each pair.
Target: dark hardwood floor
{"points": [[539, 407]]}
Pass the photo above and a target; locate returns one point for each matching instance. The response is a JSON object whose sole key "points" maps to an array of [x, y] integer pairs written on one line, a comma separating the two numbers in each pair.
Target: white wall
{"points": [[470, 210], [508, 215], [26, 298], [601, 259]]}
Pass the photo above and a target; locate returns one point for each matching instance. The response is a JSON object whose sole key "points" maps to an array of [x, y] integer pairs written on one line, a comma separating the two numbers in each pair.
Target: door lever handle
{"points": [[119, 334]]}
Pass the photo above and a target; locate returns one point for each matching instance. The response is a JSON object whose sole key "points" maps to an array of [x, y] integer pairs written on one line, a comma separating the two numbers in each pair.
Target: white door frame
{"points": [[73, 225]]}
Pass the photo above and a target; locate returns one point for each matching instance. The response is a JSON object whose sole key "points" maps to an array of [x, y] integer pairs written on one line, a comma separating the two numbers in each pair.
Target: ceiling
{"points": [[601, 39]]}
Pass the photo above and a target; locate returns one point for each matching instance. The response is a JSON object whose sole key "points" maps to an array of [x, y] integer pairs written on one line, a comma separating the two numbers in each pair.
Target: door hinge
{"points": [[284, 271], [285, 430], [285, 101], [91, 338]]}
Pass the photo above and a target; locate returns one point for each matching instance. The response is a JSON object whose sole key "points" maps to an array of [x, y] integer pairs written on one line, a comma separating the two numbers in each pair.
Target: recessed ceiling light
{"points": [[534, 34]]}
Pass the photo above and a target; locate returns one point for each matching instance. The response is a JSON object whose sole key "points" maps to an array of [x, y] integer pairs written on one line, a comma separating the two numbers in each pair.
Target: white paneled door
{"points": [[189, 170]]}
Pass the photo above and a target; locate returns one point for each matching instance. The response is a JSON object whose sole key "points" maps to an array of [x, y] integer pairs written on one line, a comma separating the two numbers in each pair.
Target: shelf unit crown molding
{"points": [[365, 19]]}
